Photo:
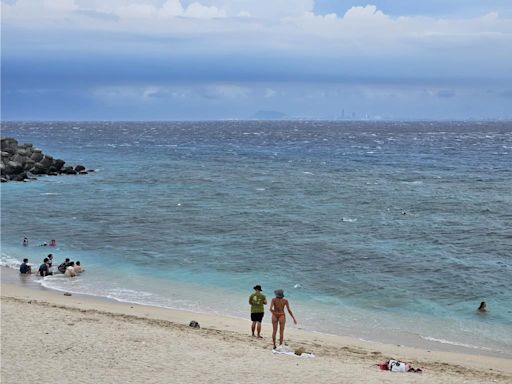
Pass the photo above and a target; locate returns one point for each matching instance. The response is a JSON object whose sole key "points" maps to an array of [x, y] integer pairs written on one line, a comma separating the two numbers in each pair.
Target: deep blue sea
{"points": [[388, 231]]}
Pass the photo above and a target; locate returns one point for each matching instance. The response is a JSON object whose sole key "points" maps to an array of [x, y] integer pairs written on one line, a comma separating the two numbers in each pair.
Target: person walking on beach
{"points": [[277, 306], [25, 269], [257, 300]]}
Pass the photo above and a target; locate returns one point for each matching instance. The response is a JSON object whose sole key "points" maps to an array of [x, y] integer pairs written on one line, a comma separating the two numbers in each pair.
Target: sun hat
{"points": [[279, 293], [257, 288]]}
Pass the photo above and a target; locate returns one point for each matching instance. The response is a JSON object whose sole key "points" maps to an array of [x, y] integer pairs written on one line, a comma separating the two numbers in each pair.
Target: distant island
{"points": [[21, 162]]}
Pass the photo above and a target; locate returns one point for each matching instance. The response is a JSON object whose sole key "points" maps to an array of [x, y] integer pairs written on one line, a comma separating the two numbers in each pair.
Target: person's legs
{"points": [[253, 327], [259, 328], [274, 329], [282, 322]]}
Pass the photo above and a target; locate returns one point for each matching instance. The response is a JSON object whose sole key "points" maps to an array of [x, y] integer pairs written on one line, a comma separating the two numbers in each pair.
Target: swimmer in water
{"points": [[482, 307], [25, 241], [277, 306]]}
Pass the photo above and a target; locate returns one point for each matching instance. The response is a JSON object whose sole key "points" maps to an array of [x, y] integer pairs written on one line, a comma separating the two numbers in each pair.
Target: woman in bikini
{"points": [[277, 306]]}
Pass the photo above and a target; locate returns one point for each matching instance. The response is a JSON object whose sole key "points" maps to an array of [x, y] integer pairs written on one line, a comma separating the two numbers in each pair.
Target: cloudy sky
{"points": [[222, 59]]}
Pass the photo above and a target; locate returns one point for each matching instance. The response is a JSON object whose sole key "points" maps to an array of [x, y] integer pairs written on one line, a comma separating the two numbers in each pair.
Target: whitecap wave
{"points": [[443, 341], [9, 262]]}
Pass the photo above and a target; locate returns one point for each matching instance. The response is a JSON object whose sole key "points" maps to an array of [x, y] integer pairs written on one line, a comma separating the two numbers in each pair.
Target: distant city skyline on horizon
{"points": [[202, 60]]}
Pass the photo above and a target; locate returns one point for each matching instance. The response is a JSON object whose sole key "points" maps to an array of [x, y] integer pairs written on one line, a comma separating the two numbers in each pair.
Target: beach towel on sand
{"points": [[284, 350]]}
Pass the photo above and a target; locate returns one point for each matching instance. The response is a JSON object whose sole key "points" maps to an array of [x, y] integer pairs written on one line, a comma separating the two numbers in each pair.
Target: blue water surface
{"points": [[404, 227]]}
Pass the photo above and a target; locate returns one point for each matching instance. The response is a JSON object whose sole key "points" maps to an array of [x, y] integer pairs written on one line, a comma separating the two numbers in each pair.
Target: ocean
{"points": [[385, 231]]}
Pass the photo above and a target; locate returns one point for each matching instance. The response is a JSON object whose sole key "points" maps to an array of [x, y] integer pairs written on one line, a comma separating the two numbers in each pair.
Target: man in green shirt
{"points": [[257, 300]]}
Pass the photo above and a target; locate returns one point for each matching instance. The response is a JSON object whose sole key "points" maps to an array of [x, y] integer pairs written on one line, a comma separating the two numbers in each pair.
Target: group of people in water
{"points": [[277, 307], [53, 243], [67, 267]]}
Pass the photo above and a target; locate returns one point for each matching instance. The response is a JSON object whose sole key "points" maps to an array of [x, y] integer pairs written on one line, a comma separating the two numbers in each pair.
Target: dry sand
{"points": [[47, 337]]}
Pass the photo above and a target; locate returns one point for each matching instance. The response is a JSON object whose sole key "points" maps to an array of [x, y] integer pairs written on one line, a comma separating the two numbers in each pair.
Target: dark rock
{"points": [[29, 163], [8, 142], [69, 171], [20, 177], [19, 159], [38, 169], [10, 151], [47, 161], [15, 167], [58, 164], [22, 162], [37, 155], [194, 324]]}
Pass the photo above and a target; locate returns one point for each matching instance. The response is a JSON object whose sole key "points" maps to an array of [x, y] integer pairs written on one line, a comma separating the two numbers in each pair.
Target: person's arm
{"points": [[265, 301], [272, 306], [250, 300], [290, 311]]}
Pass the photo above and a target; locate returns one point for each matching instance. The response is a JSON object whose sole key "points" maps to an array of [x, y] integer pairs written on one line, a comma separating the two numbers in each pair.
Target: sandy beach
{"points": [[51, 338]]}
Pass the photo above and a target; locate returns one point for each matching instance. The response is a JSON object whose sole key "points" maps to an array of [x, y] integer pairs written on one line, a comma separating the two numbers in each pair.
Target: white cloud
{"points": [[271, 25], [198, 11], [171, 8], [369, 12]]}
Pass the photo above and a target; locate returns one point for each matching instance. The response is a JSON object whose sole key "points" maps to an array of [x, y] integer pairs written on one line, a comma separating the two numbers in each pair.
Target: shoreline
{"points": [[233, 330], [403, 340]]}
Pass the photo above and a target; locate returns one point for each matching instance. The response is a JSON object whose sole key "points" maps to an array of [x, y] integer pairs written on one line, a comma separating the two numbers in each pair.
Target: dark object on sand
{"points": [[194, 324], [67, 294]]}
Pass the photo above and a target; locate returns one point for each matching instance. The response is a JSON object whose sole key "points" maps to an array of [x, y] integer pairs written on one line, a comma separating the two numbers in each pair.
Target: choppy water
{"points": [[394, 231]]}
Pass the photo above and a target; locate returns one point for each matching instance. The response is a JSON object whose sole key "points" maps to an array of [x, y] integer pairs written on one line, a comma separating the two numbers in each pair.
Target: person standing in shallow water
{"points": [[482, 307], [277, 306], [257, 300]]}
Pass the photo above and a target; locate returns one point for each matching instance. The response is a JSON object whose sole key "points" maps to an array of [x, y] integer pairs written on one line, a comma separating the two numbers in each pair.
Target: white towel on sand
{"points": [[284, 350]]}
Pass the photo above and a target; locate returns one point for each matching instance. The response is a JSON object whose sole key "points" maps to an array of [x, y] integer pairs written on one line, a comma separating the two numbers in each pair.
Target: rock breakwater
{"points": [[21, 162]]}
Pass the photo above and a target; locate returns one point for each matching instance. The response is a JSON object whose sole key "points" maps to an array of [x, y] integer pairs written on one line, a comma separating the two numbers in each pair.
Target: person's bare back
{"points": [[277, 306]]}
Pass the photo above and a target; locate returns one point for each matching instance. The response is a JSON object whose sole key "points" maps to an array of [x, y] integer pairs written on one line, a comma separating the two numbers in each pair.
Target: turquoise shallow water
{"points": [[389, 231]]}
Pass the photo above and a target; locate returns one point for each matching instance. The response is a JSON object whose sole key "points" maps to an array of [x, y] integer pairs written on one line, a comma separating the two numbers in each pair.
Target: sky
{"points": [[245, 59]]}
